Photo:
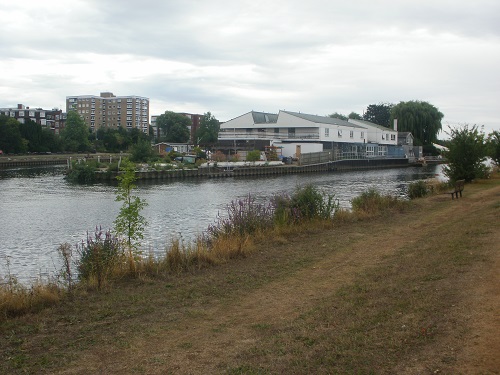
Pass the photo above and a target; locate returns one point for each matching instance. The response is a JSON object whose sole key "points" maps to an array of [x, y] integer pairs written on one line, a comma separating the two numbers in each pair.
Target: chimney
{"points": [[20, 106], [396, 124]]}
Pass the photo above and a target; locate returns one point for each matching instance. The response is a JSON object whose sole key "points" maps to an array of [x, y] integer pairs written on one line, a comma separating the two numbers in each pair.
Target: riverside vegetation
{"points": [[295, 285]]}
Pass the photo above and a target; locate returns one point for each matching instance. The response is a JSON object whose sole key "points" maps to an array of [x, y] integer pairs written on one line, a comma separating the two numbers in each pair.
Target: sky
{"points": [[230, 57]]}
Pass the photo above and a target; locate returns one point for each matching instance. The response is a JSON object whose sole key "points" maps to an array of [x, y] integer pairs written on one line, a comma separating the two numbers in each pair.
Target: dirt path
{"points": [[212, 337]]}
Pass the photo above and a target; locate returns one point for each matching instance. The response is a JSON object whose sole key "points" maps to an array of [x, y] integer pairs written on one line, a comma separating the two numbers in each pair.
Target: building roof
{"points": [[372, 124], [321, 119], [264, 118]]}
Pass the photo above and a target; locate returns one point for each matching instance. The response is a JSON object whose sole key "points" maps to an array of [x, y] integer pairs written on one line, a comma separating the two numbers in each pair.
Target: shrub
{"points": [[417, 189], [83, 172], [253, 155], [245, 216], [371, 202], [98, 256], [466, 154], [219, 156]]}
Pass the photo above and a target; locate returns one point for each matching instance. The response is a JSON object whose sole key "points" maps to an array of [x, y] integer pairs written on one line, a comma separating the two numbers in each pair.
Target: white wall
{"points": [[290, 148]]}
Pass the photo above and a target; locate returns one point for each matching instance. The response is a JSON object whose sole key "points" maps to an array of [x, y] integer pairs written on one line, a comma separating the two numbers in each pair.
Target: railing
{"points": [[266, 135], [328, 156]]}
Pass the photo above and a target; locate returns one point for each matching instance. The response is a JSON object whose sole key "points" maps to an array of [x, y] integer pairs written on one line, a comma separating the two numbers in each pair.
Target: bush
{"points": [[98, 257], [244, 216], [417, 189], [466, 155], [306, 203], [253, 155], [371, 202], [83, 172]]}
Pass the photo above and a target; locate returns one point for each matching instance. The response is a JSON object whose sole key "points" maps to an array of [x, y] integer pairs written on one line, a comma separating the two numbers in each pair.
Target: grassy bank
{"points": [[404, 292]]}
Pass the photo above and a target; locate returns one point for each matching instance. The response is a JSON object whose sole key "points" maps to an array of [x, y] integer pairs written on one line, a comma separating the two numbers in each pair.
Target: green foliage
{"points": [[208, 131], [11, 140], [417, 189], [371, 202], [355, 116], [246, 216], [82, 172], [422, 119], [253, 155], [75, 133], [312, 204], [379, 114], [129, 223], [466, 154], [98, 257], [493, 145], [141, 152], [174, 126], [338, 115]]}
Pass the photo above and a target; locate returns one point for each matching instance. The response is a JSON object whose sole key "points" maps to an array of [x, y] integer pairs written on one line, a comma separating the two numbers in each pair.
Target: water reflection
{"points": [[40, 210]]}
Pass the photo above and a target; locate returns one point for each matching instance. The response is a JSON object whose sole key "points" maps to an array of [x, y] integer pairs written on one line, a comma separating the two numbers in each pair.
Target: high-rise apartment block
{"points": [[110, 111]]}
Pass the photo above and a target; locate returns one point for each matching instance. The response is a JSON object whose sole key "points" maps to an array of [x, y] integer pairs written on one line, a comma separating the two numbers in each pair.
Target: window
{"points": [[327, 132], [32, 113], [370, 150], [393, 137], [351, 133], [291, 132], [21, 113], [340, 133]]}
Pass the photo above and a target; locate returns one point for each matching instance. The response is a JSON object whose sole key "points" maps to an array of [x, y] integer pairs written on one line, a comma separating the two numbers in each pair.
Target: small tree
{"points": [[494, 147], [253, 155], [129, 223], [466, 154]]}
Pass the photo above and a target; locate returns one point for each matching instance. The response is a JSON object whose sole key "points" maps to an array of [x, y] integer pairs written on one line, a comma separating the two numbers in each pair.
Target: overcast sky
{"points": [[230, 57]]}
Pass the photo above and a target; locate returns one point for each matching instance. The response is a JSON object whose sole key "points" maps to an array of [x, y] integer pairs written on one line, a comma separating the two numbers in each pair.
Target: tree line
{"points": [[76, 136], [420, 118]]}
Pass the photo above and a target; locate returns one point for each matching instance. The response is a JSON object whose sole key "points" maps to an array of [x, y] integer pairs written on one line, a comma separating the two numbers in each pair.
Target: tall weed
{"points": [[371, 202], [98, 257]]}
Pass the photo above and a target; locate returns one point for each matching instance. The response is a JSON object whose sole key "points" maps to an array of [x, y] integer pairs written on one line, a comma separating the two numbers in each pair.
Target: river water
{"points": [[39, 209]]}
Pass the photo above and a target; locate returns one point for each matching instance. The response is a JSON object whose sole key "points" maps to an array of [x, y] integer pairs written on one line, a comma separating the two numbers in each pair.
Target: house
{"points": [[405, 140], [296, 132], [52, 119]]}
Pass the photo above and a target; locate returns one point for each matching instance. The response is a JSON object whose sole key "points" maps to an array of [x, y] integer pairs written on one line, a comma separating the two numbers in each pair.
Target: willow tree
{"points": [[422, 119]]}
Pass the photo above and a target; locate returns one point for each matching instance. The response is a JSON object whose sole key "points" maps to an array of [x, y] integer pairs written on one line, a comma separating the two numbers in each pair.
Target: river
{"points": [[39, 209]]}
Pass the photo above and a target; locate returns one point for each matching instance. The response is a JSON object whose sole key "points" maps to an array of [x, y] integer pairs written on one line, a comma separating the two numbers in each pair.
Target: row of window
{"points": [[24, 113]]}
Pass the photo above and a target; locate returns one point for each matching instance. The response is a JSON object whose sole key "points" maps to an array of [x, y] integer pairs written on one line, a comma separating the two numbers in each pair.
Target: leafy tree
{"points": [[338, 115], [208, 132], [32, 132], [466, 154], [422, 119], [493, 144], [129, 223], [75, 133], [51, 141], [141, 152], [11, 140], [355, 116], [174, 126], [379, 114]]}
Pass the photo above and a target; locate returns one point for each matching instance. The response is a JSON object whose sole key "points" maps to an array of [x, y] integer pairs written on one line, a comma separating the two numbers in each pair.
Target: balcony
{"points": [[265, 135]]}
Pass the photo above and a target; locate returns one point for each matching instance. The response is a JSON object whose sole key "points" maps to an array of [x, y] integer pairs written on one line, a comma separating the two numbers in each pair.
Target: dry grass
{"points": [[17, 300]]}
